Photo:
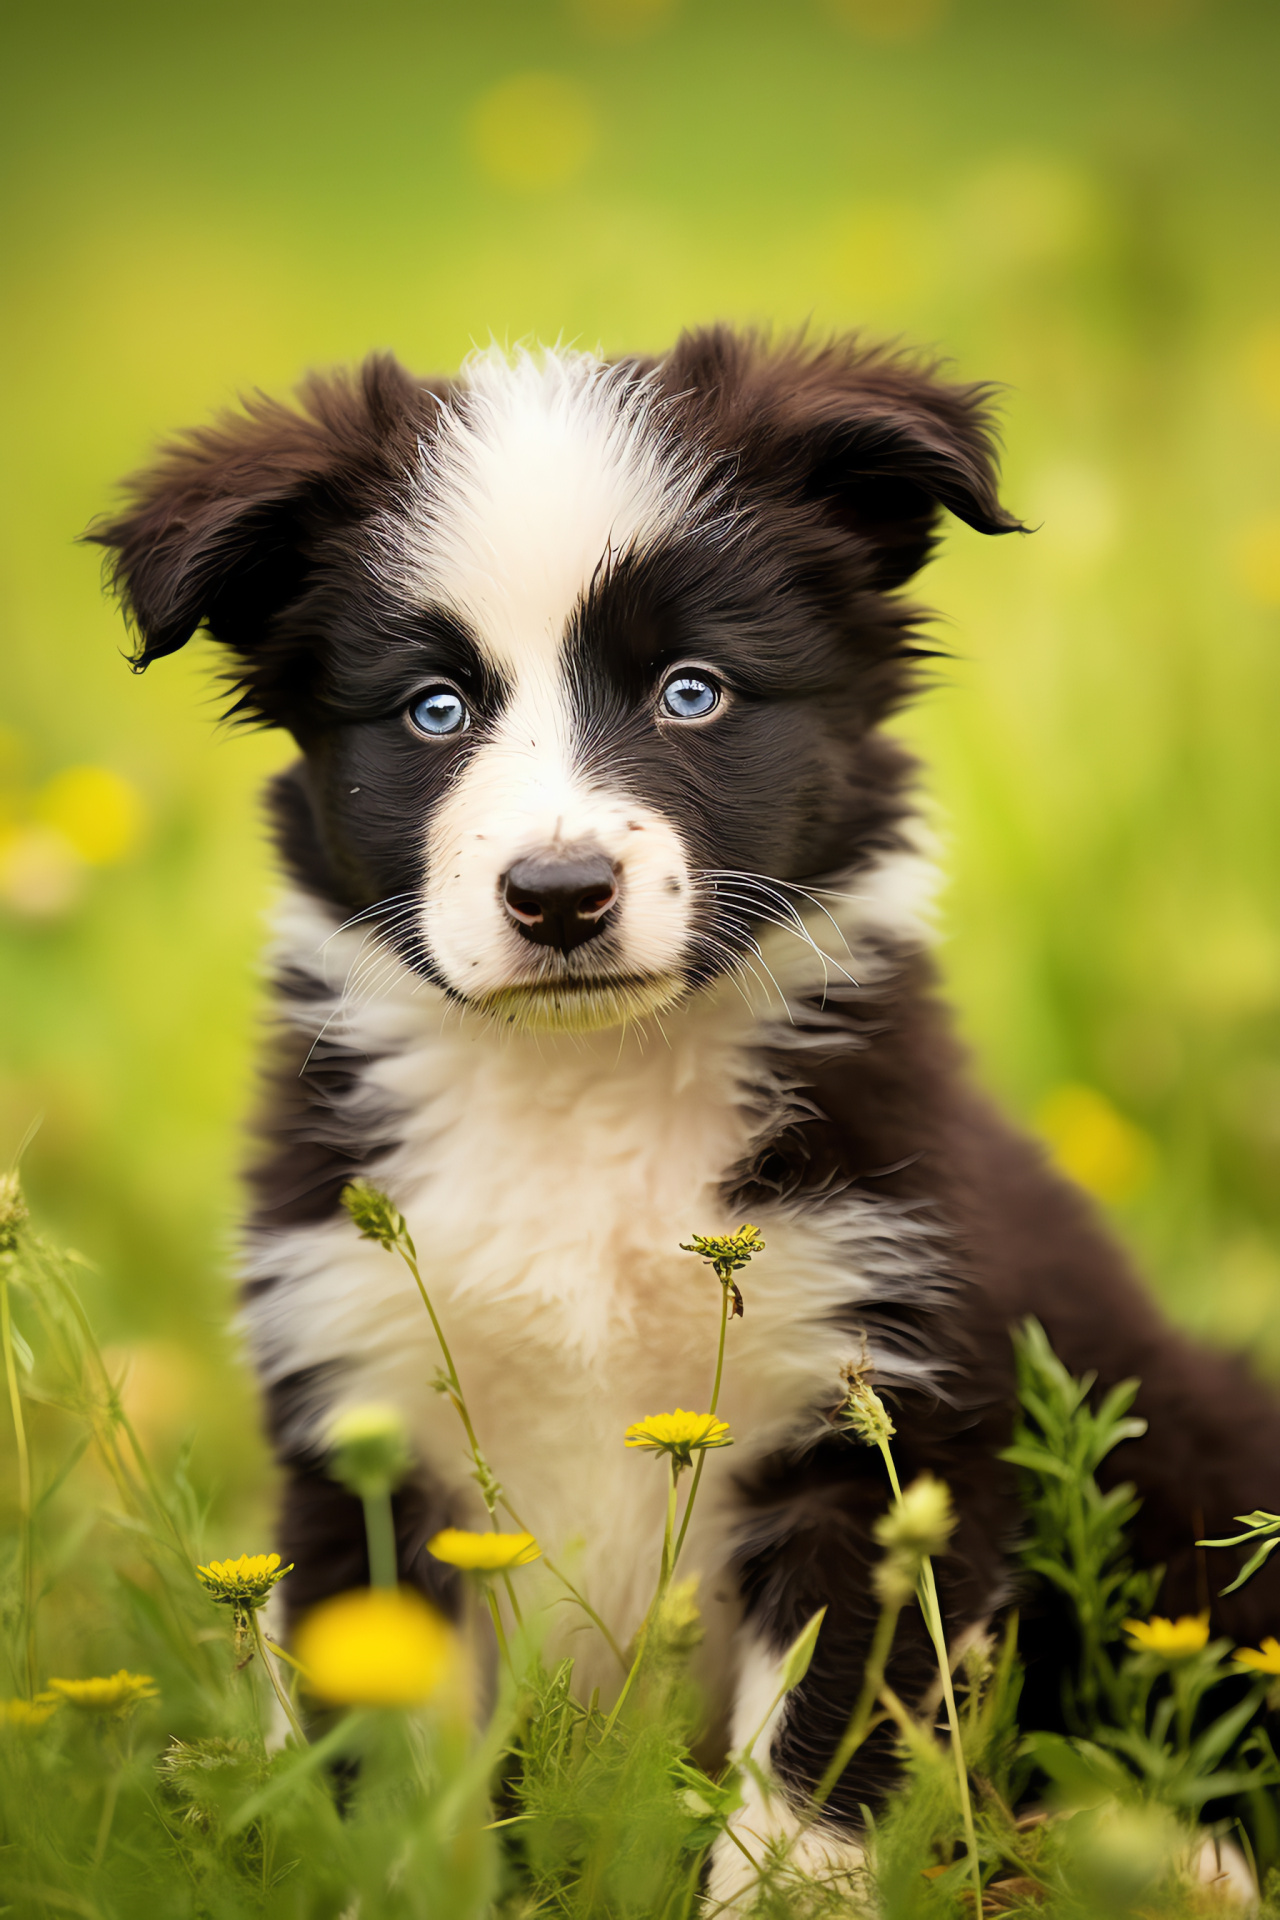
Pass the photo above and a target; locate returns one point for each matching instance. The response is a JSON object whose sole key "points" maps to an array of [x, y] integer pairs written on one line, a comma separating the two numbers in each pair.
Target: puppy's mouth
{"points": [[581, 1005]]}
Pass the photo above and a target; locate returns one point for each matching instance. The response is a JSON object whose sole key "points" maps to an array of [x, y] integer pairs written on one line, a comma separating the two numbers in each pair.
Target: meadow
{"points": [[1077, 199]]}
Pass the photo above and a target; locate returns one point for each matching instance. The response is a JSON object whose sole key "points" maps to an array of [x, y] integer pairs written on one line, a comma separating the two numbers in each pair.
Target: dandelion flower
{"points": [[28, 1714], [483, 1552], [115, 1694], [679, 1434], [374, 1647], [1170, 1639], [727, 1252], [1263, 1659], [242, 1583]]}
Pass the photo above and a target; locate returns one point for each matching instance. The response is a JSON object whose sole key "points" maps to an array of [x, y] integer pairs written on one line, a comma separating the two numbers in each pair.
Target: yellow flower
{"points": [[246, 1582], [116, 1694], [1264, 1659], [483, 1552], [679, 1434], [28, 1714], [374, 1647], [1170, 1639]]}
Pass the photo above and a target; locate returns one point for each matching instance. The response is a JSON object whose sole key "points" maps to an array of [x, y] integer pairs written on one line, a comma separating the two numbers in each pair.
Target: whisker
{"points": [[747, 887], [796, 927], [365, 913]]}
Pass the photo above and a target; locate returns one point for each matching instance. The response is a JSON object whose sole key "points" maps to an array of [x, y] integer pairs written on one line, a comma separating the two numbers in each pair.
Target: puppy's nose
{"points": [[560, 899]]}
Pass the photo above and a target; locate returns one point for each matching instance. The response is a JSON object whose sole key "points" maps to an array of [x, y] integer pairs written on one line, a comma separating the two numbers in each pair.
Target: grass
{"points": [[171, 1785], [1068, 198]]}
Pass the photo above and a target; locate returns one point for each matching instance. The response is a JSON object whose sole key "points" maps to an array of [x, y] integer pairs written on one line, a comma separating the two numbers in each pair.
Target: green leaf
{"points": [[1083, 1772], [1217, 1738], [800, 1652], [1038, 1459], [1252, 1564]]}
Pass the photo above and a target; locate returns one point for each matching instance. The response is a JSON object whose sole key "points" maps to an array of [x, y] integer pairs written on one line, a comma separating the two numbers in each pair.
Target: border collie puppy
{"points": [[606, 923]]}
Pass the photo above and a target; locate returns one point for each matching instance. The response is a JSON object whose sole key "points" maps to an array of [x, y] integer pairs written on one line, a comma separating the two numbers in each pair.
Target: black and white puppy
{"points": [[606, 924]]}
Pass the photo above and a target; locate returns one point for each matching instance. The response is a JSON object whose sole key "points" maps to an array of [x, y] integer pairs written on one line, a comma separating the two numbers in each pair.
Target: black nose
{"points": [[560, 899]]}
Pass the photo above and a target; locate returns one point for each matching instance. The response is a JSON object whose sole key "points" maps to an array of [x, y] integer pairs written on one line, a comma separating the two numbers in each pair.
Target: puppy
{"points": [[605, 924]]}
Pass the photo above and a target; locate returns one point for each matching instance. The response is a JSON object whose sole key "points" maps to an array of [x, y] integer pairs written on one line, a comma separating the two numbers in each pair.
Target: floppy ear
{"points": [[221, 531], [877, 440]]}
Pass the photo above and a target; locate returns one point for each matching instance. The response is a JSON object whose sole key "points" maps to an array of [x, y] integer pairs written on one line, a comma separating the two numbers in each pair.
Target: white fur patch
{"points": [[548, 1181], [521, 794], [543, 470]]}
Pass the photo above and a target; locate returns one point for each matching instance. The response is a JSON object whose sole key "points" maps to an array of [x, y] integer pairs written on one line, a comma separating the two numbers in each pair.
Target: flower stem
{"points": [[110, 1795], [860, 1719], [380, 1534], [498, 1628], [269, 1666], [665, 1570], [668, 1563], [26, 1541], [715, 1401], [408, 1253], [516, 1614], [927, 1594]]}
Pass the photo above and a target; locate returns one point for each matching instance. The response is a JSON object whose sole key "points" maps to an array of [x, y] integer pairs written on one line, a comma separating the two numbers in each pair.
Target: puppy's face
{"points": [[585, 660]]}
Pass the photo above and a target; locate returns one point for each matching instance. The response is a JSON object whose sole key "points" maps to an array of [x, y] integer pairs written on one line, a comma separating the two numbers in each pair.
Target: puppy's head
{"points": [[583, 658]]}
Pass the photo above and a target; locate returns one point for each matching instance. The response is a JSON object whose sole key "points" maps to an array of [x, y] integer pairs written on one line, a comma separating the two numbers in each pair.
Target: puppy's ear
{"points": [[221, 530], [879, 442]]}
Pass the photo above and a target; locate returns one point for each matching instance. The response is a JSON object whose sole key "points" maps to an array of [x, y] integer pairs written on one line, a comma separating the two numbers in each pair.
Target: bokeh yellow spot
{"points": [[375, 1648], [1025, 210], [41, 874], [1094, 1144], [533, 132], [1261, 368], [889, 20], [1255, 553], [881, 252], [620, 19], [96, 810]]}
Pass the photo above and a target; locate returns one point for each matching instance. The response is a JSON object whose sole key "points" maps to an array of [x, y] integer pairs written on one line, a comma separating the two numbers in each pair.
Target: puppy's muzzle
{"points": [[562, 898]]}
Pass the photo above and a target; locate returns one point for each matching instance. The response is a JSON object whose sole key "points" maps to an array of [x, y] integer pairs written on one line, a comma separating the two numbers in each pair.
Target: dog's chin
{"points": [[580, 1006]]}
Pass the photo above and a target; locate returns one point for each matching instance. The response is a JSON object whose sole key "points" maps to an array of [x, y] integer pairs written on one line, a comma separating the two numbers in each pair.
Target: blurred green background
{"points": [[1076, 197]]}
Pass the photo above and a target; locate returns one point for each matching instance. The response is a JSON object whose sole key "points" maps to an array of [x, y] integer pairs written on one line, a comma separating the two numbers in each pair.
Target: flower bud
{"points": [[677, 1624], [799, 1654], [866, 1412], [369, 1449], [13, 1212], [373, 1214], [916, 1526]]}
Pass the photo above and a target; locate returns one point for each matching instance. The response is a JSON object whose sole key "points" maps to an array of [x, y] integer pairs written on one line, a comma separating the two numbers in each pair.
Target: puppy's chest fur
{"points": [[548, 1186]]}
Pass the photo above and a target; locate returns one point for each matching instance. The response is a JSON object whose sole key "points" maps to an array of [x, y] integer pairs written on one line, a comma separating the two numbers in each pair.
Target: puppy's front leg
{"points": [[771, 1834], [818, 1548]]}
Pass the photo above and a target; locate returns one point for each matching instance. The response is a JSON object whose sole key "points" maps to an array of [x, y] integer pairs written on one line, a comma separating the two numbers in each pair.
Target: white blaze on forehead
{"points": [[543, 467]]}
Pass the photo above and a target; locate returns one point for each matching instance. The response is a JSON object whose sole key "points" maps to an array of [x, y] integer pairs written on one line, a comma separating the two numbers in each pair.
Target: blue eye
{"points": [[439, 712], [687, 696]]}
